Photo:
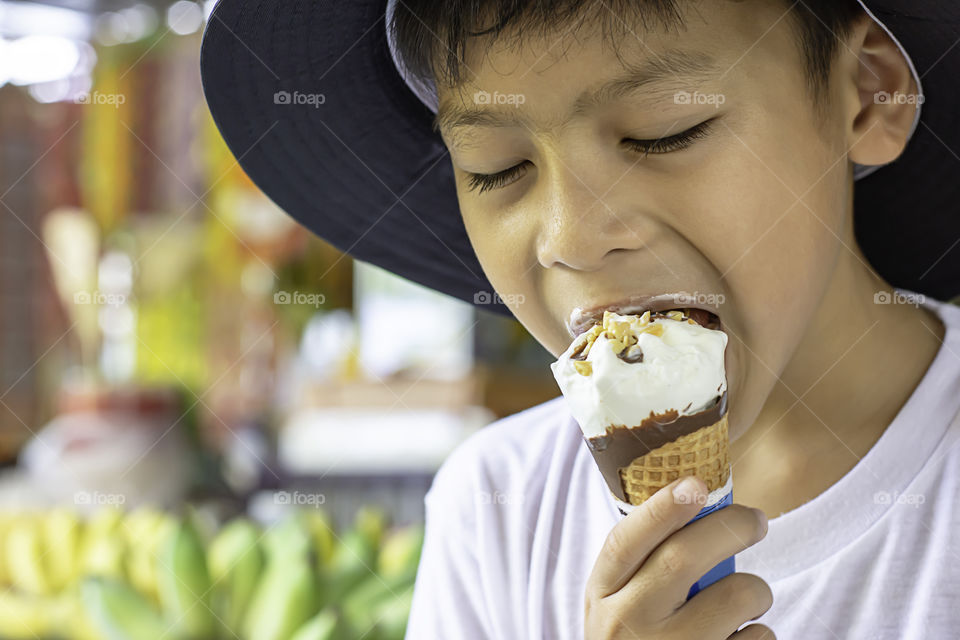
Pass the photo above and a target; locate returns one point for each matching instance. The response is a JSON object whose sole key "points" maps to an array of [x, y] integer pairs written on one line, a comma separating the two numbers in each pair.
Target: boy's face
{"points": [[750, 213]]}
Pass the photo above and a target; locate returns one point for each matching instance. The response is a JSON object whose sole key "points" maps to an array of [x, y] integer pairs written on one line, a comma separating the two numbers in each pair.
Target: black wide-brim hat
{"points": [[309, 99]]}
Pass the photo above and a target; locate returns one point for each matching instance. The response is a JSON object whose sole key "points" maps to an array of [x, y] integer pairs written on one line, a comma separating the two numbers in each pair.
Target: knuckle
{"points": [[673, 558], [660, 511], [603, 624], [617, 542]]}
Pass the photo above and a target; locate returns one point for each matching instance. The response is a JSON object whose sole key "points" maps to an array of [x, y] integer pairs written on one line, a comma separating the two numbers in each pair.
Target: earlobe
{"points": [[887, 96]]}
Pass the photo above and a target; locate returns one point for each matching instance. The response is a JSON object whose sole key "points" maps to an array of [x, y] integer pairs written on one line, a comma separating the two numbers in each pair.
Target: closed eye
{"points": [[677, 142], [488, 181], [668, 144]]}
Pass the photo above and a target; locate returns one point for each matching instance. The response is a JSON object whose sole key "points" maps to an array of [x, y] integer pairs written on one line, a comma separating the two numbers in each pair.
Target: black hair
{"points": [[431, 35]]}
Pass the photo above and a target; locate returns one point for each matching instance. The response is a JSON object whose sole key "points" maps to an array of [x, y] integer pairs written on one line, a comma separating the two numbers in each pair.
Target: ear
{"points": [[886, 98]]}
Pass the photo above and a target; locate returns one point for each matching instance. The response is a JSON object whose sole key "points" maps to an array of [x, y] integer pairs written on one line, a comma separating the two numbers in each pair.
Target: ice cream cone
{"points": [[703, 453]]}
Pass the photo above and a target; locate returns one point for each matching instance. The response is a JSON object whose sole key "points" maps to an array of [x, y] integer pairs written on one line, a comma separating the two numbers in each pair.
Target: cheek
{"points": [[503, 248], [780, 261]]}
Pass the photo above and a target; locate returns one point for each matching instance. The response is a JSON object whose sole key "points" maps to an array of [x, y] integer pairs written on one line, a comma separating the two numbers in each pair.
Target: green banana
{"points": [[6, 522], [144, 531], [235, 562], [392, 615], [120, 613], [288, 538], [183, 583], [285, 598], [400, 554], [144, 559], [62, 530], [101, 548], [371, 523], [75, 622], [24, 553], [326, 625], [361, 603], [141, 572], [138, 525], [321, 531], [355, 547], [353, 562]]}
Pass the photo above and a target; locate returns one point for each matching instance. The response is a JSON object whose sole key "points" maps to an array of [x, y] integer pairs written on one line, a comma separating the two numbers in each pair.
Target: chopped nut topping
{"points": [[577, 353], [617, 346], [618, 329], [591, 338], [655, 329], [621, 335], [583, 368], [632, 355]]}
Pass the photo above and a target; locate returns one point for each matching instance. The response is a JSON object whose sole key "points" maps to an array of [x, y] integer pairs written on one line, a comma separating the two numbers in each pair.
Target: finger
{"points": [[754, 632], [695, 549], [630, 542], [726, 604]]}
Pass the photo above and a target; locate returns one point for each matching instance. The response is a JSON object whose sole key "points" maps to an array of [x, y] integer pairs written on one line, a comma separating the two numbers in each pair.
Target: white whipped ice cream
{"points": [[682, 369]]}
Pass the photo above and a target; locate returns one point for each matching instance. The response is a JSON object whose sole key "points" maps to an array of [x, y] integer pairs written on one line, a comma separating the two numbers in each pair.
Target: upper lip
{"points": [[581, 319]]}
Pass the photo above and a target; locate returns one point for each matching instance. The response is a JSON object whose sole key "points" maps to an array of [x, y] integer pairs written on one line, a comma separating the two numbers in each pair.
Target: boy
{"points": [[606, 152]]}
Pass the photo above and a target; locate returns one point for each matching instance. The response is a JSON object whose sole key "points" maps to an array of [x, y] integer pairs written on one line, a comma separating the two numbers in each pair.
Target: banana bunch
{"points": [[146, 574], [316, 585], [44, 560]]}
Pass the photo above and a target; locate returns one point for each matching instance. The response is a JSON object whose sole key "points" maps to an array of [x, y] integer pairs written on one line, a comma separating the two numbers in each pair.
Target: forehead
{"points": [[652, 78], [511, 77]]}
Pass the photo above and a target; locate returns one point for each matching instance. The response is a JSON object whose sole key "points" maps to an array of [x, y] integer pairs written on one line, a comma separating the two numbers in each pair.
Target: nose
{"points": [[580, 227]]}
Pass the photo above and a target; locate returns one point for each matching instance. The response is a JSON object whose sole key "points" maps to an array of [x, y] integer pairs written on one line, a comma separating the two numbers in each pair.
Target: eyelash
{"points": [[676, 142]]}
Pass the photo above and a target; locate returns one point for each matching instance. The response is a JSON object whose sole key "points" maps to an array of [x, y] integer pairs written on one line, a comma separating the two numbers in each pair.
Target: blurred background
{"points": [[182, 367]]}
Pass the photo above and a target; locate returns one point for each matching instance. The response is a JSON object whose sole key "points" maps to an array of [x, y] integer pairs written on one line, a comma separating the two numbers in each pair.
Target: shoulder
{"points": [[508, 454]]}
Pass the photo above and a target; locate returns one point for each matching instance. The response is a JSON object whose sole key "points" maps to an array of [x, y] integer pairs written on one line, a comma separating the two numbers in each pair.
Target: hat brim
{"points": [[906, 215], [362, 168]]}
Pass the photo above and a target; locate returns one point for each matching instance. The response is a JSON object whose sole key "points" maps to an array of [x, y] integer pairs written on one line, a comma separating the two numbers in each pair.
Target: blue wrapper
{"points": [[726, 567]]}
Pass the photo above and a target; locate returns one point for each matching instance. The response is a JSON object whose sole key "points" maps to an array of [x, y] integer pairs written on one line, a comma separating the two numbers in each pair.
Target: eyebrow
{"points": [[674, 69]]}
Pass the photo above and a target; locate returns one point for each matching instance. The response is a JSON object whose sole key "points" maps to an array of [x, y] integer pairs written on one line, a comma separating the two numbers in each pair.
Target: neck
{"points": [[854, 369]]}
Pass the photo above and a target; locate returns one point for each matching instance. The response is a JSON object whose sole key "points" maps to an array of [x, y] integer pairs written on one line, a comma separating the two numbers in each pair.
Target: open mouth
{"points": [[581, 320]]}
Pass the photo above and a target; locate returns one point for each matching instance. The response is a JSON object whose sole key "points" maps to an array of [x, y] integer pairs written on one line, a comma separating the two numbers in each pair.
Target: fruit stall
{"points": [[148, 574], [213, 424]]}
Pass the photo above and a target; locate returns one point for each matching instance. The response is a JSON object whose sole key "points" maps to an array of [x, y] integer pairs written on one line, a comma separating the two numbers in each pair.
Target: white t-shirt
{"points": [[517, 515]]}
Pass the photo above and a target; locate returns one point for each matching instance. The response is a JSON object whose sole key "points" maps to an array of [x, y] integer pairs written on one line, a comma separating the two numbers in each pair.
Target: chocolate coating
{"points": [[618, 447]]}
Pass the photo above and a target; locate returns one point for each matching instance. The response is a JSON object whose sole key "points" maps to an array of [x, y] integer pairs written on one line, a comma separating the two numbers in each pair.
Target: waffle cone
{"points": [[703, 453]]}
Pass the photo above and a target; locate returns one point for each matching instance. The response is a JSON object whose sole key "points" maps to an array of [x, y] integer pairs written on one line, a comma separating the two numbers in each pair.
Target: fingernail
{"points": [[688, 491]]}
